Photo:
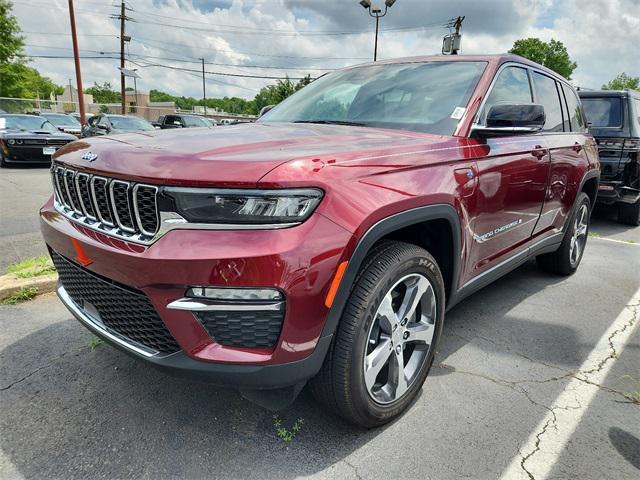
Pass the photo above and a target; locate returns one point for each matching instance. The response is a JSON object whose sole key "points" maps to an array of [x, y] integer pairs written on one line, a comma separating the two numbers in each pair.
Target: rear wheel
{"points": [[566, 259], [386, 339], [629, 213]]}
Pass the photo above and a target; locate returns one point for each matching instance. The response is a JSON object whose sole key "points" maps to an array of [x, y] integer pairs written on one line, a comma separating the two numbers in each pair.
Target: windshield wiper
{"points": [[332, 122]]}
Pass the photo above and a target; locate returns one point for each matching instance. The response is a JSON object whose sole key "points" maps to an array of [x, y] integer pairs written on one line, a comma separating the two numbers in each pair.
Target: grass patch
{"points": [[22, 295], [94, 343], [283, 433], [32, 267]]}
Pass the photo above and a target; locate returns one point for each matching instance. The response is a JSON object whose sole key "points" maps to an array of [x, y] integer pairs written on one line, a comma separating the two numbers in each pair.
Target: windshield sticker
{"points": [[458, 113], [3, 123]]}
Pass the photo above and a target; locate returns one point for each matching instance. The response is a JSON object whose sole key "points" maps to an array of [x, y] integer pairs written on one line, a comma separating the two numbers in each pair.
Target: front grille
{"points": [[259, 329], [35, 141], [126, 209], [57, 141], [123, 310]]}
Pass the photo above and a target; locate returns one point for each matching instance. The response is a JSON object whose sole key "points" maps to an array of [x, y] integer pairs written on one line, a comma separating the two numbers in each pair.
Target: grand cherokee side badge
{"points": [[89, 156]]}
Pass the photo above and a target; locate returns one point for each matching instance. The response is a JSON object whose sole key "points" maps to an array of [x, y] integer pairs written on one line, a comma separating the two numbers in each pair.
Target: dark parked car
{"points": [[107, 124], [29, 139], [64, 123], [325, 242], [614, 118], [183, 121]]}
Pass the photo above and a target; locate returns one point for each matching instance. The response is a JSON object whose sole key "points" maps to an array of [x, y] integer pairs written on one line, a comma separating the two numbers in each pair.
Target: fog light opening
{"points": [[224, 294]]}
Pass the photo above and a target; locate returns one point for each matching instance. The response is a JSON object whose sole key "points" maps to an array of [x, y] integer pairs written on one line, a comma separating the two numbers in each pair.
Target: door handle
{"points": [[577, 147], [539, 152]]}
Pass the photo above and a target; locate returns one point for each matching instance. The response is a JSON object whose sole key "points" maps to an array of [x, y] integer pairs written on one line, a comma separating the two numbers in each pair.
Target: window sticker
{"points": [[458, 113], [3, 123]]}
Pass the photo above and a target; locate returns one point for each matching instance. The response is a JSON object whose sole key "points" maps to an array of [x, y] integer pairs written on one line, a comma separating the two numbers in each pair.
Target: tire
{"points": [[566, 259], [351, 382], [629, 213]]}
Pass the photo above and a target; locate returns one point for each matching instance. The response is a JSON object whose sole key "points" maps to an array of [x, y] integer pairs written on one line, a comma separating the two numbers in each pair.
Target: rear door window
{"points": [[547, 95], [604, 111], [576, 115]]}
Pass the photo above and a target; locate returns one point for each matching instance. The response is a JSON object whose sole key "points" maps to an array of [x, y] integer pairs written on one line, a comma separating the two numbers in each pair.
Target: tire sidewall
{"points": [[380, 413], [583, 199]]}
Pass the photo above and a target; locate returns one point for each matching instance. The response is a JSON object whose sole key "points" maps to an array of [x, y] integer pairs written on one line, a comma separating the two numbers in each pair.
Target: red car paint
{"points": [[367, 174]]}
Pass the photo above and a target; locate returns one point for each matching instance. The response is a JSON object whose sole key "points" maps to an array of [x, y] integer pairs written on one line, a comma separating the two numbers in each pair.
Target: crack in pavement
{"points": [[42, 367]]}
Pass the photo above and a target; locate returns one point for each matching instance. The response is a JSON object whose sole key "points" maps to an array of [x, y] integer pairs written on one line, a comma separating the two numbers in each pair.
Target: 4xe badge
{"points": [[89, 156]]}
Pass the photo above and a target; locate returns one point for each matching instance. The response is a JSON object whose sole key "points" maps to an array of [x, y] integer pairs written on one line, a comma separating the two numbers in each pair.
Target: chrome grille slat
{"points": [[119, 194], [126, 210], [82, 186], [101, 200]]}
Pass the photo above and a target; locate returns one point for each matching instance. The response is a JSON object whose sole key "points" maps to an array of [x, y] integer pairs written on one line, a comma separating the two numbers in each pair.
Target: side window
{"points": [[512, 85], [547, 95], [576, 116]]}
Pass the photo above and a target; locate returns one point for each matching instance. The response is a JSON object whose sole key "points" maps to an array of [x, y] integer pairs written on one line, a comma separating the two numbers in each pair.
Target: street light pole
{"points": [[377, 13]]}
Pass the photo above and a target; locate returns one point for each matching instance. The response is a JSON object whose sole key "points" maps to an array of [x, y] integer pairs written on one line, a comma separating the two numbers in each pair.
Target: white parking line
{"points": [[538, 455], [626, 242]]}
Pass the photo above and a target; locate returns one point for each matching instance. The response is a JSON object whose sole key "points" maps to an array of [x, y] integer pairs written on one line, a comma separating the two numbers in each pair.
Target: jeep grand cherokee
{"points": [[325, 242]]}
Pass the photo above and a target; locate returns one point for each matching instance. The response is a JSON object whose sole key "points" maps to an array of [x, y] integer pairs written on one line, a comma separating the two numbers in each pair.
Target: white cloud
{"points": [[601, 36]]}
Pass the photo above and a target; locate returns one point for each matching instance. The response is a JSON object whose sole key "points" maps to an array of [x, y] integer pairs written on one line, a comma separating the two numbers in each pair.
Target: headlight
{"points": [[247, 207], [11, 141]]}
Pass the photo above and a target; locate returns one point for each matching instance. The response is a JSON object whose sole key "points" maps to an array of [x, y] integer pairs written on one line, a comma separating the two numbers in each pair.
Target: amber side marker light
{"points": [[82, 256], [333, 289]]}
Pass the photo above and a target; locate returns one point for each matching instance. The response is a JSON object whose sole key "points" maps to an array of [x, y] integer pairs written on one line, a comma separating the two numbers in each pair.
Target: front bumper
{"points": [[299, 261]]}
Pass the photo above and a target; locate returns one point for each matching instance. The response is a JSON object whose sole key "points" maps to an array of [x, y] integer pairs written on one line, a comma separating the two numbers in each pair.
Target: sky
{"points": [[241, 39]]}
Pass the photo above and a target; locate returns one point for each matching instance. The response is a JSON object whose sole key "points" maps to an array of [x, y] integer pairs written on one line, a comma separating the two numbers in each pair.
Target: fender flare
{"points": [[379, 230], [589, 174]]}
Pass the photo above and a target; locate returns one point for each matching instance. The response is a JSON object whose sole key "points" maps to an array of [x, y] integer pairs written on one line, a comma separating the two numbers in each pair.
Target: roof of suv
{"points": [[498, 58], [610, 93]]}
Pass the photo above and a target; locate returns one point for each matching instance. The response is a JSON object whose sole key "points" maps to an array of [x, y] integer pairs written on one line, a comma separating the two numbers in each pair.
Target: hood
{"points": [[29, 134], [233, 155]]}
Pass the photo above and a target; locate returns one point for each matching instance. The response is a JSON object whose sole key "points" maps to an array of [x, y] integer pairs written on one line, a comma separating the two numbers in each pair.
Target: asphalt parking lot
{"points": [[533, 379]]}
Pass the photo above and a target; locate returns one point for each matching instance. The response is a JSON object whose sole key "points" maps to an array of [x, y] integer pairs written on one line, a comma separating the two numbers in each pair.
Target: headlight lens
{"points": [[246, 207]]}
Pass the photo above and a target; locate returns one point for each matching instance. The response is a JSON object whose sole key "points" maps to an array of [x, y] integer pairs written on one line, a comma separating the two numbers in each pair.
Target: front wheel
{"points": [[387, 336], [566, 259]]}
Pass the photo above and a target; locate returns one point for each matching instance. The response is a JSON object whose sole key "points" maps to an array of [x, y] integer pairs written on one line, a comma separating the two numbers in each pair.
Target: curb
{"points": [[10, 284]]}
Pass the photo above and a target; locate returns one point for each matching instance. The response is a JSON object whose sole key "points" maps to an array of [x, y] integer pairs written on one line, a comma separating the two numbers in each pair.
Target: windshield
{"points": [[25, 123], [62, 119], [195, 122], [130, 123], [603, 111], [424, 97]]}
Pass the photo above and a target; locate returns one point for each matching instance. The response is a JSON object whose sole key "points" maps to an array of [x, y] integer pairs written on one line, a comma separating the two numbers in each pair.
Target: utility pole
{"points": [[204, 90], [122, 78], [456, 44], [76, 56]]}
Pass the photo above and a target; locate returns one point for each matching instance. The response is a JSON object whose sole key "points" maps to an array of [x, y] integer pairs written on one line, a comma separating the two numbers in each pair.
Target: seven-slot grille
{"points": [[126, 209]]}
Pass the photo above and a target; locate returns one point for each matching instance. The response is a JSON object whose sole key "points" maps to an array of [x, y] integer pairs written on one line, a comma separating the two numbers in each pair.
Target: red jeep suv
{"points": [[324, 242]]}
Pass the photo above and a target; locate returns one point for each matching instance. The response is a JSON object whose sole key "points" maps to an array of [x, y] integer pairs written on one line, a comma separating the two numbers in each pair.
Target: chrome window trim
{"points": [[66, 185], [84, 209], [95, 199], [135, 207], [112, 198]]}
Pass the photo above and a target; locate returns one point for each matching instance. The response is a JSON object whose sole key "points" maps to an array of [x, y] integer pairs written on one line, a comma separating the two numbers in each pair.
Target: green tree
{"points": [[552, 54], [622, 82], [274, 94], [11, 42], [103, 93]]}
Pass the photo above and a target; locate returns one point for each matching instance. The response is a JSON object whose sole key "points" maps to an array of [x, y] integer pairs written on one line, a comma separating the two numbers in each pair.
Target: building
{"points": [[69, 99]]}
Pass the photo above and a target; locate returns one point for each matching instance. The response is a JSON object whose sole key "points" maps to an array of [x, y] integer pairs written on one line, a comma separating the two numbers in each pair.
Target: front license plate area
{"points": [[48, 150]]}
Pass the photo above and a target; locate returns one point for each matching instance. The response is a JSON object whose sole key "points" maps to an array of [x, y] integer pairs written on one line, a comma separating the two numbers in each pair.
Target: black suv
{"points": [[614, 118]]}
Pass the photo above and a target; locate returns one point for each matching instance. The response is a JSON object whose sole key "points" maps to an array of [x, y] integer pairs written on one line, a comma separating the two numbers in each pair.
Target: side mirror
{"points": [[102, 127], [512, 119], [265, 109]]}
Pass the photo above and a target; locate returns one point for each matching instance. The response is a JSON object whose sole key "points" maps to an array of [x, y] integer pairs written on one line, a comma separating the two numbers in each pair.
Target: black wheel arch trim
{"points": [[379, 230]]}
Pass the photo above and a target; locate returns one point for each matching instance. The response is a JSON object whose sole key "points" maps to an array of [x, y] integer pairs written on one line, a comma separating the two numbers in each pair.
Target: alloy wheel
{"points": [[579, 236], [400, 338]]}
